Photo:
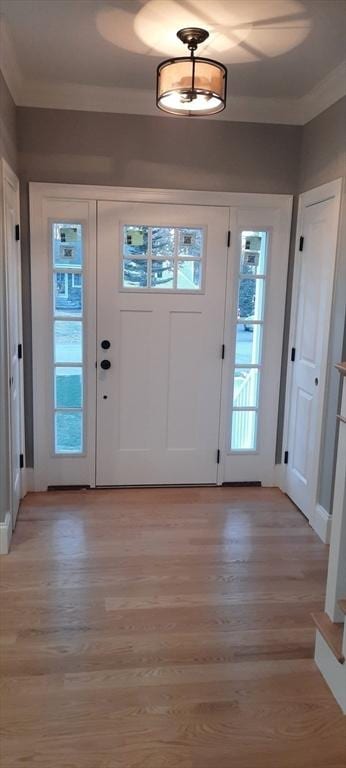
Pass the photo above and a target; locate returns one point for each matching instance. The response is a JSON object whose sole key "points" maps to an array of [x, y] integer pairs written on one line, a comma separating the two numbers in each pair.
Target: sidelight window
{"points": [[68, 347], [247, 368]]}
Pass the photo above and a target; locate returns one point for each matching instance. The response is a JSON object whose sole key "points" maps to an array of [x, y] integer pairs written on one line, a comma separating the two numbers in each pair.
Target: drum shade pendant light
{"points": [[191, 86]]}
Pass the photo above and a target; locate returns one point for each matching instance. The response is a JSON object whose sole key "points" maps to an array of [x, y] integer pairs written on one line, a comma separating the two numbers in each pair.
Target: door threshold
{"points": [[244, 484], [157, 485], [68, 488]]}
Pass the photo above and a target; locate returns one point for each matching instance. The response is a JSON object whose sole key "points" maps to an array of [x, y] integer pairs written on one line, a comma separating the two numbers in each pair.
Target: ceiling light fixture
{"points": [[191, 86]]}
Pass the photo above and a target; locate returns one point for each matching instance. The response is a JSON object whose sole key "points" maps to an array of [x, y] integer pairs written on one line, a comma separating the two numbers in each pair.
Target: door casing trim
{"points": [[40, 191], [9, 176]]}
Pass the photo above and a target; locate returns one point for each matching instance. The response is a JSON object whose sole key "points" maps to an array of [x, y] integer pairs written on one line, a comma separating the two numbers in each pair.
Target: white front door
{"points": [[160, 321], [311, 318], [14, 333]]}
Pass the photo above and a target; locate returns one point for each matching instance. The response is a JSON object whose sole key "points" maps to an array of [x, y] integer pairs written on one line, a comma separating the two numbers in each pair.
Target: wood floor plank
{"points": [[164, 628]]}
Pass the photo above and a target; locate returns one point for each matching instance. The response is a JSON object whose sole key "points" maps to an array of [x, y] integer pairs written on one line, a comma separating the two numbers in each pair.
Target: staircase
{"points": [[330, 650], [333, 634]]}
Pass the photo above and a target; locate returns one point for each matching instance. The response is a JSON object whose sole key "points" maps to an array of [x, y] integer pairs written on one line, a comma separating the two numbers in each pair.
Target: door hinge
{"points": [[301, 243], [293, 354], [228, 238], [222, 351], [218, 456], [21, 460], [20, 352], [17, 232], [286, 457]]}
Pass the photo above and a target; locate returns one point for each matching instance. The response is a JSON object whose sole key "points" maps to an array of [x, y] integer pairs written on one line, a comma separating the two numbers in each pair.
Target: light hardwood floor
{"points": [[164, 629]]}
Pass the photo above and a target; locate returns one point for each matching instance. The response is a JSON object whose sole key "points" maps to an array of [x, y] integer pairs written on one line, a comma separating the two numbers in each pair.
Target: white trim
{"points": [[27, 481], [6, 534], [278, 477], [336, 578], [333, 672], [40, 190], [313, 196], [134, 101], [324, 94], [9, 177], [321, 523], [44, 193], [61, 205], [276, 220]]}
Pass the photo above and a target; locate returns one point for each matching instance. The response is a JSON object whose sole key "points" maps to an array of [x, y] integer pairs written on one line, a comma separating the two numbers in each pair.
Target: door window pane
{"points": [[253, 258], [68, 387], [251, 298], [246, 382], [67, 245], [189, 275], [68, 291], [244, 426], [190, 242], [135, 241], [248, 344], [68, 346], [67, 265], [162, 265], [68, 432], [162, 242], [162, 274], [135, 273]]}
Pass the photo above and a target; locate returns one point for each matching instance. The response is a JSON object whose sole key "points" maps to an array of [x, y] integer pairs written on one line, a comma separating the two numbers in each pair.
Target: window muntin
{"points": [[162, 258], [68, 329], [247, 364]]}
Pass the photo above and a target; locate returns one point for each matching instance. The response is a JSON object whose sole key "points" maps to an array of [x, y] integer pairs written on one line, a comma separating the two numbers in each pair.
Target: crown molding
{"points": [[142, 102], [94, 98], [324, 94]]}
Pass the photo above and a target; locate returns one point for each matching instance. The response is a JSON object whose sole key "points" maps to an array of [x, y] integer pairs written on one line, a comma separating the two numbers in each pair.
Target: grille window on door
{"points": [[162, 258], [249, 341], [68, 320]]}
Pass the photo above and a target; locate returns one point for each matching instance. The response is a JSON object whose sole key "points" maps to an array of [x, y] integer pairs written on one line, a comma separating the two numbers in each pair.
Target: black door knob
{"points": [[105, 344], [105, 364], [316, 382]]}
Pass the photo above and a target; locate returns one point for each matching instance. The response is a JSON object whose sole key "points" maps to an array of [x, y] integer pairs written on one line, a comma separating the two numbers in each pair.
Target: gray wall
{"points": [[132, 150], [8, 125], [323, 158], [8, 150]]}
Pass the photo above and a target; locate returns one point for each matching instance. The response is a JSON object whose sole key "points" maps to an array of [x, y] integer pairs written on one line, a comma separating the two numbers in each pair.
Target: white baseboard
{"points": [[333, 672], [27, 481], [5, 534], [279, 477], [322, 523]]}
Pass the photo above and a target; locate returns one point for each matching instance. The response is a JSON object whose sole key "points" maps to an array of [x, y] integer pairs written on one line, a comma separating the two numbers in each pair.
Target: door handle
{"points": [[105, 344], [316, 382], [105, 364]]}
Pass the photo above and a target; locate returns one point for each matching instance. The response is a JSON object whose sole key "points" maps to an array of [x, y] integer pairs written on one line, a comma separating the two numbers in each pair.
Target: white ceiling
{"points": [[90, 53]]}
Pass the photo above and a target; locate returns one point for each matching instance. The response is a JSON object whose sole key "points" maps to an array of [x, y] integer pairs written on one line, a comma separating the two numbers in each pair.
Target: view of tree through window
{"points": [[162, 257]]}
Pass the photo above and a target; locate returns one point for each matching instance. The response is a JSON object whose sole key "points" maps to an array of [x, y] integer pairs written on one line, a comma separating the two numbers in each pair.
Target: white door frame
{"points": [[9, 178], [40, 192], [276, 222], [314, 196]]}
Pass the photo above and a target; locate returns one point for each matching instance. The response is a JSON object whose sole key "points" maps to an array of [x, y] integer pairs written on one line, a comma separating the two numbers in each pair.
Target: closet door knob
{"points": [[105, 364]]}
